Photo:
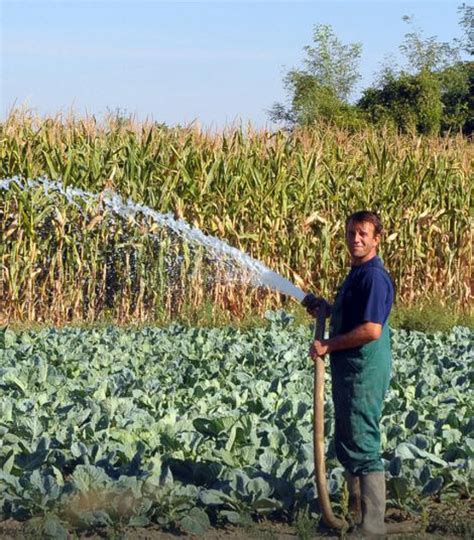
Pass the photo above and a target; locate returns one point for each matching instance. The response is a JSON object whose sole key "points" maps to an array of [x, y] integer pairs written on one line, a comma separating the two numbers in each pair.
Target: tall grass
{"points": [[280, 197]]}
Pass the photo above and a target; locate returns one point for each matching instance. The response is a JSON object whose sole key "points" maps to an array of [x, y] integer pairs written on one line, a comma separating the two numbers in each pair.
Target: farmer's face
{"points": [[361, 241]]}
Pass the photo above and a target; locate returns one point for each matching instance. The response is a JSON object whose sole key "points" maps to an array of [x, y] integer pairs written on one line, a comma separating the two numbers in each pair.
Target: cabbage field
{"points": [[190, 428]]}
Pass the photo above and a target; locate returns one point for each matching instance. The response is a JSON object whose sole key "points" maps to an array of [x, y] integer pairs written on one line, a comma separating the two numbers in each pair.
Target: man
{"points": [[359, 348]]}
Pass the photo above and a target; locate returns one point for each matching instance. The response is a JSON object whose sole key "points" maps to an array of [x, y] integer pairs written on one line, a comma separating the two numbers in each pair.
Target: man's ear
{"points": [[377, 239]]}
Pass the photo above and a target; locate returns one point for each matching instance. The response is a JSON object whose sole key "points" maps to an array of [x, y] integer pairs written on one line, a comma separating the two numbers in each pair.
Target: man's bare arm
{"points": [[360, 335]]}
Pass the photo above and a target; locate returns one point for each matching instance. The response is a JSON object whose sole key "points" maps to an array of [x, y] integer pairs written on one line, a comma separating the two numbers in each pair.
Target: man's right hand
{"points": [[315, 305]]}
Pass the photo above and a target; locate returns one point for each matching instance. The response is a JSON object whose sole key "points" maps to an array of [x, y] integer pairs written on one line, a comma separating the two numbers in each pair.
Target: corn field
{"points": [[282, 198]]}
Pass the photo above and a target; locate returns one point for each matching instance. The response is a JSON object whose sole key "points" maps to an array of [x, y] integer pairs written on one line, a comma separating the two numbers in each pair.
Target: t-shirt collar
{"points": [[374, 261]]}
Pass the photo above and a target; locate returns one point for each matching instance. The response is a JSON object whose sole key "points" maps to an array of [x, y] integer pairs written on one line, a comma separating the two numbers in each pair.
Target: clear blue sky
{"points": [[175, 62]]}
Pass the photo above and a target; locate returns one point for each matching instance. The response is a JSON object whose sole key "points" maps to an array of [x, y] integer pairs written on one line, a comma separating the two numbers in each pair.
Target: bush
{"points": [[410, 102], [430, 317]]}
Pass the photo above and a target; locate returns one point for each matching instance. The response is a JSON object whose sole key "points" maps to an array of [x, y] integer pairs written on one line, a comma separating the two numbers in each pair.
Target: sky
{"points": [[215, 63]]}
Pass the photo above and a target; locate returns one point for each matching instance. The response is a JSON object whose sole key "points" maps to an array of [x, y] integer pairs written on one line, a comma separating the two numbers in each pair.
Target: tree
{"points": [[457, 96], [432, 92], [333, 64], [457, 81], [322, 90], [426, 54], [409, 102], [466, 22]]}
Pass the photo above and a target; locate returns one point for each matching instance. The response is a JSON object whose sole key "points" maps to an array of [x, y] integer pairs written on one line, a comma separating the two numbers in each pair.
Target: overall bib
{"points": [[360, 378]]}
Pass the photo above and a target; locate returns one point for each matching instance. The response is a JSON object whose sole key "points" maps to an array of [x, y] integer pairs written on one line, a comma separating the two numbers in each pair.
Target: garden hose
{"points": [[318, 432]]}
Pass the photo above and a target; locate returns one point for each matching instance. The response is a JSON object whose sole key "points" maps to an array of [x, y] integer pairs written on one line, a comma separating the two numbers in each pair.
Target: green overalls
{"points": [[360, 378]]}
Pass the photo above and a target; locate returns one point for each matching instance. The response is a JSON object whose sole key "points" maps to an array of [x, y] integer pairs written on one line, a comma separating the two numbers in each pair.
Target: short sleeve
{"points": [[377, 296]]}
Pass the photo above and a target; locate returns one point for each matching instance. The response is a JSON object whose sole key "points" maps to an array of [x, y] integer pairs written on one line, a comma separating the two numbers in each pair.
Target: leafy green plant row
{"points": [[189, 427]]}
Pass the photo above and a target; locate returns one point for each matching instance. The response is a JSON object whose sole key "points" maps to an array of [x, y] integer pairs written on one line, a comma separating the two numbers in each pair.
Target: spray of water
{"points": [[257, 272]]}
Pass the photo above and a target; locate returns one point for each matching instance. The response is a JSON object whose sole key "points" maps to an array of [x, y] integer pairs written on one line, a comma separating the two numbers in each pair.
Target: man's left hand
{"points": [[319, 348]]}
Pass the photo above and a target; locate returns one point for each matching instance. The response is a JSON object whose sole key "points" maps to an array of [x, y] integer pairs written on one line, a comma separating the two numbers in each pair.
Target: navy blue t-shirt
{"points": [[367, 295]]}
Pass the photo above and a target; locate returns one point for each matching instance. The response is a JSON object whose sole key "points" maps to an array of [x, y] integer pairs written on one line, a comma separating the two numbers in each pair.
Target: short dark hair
{"points": [[367, 215]]}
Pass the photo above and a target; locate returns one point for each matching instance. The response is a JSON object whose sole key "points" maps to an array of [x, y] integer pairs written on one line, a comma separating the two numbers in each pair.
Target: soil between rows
{"points": [[442, 522]]}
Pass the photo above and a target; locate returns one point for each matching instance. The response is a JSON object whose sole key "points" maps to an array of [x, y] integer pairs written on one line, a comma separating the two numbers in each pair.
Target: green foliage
{"points": [[305, 526], [457, 95], [435, 89], [466, 22], [430, 316], [427, 53], [314, 102], [188, 427], [332, 63], [412, 103], [425, 317], [321, 91], [433, 92]]}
